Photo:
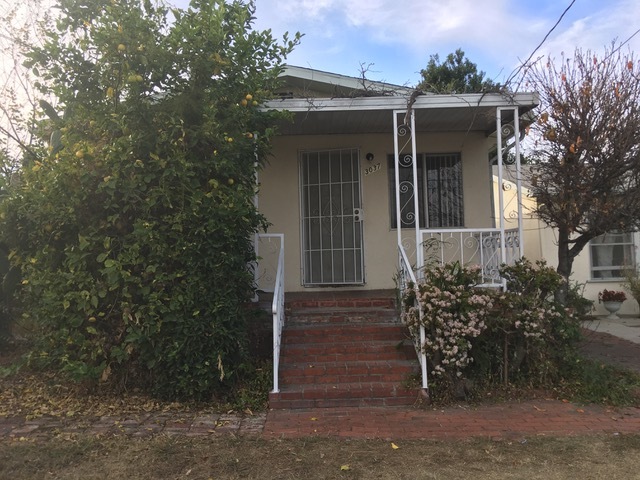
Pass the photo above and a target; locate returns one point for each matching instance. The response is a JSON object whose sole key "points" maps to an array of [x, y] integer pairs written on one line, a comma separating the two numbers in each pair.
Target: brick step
{"points": [[339, 352], [350, 372], [343, 333], [325, 302], [344, 395], [342, 317], [344, 351]]}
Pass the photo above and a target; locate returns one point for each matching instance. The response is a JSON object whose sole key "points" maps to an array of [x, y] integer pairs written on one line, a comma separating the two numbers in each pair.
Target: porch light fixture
{"points": [[369, 157]]}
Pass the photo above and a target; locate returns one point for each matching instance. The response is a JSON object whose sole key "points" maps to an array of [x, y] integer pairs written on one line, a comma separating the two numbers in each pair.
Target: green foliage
{"points": [[632, 283], [593, 382], [533, 335], [9, 279], [134, 228], [456, 74], [577, 302], [252, 389]]}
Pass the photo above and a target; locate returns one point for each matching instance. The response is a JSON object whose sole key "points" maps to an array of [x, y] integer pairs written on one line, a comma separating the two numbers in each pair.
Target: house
{"points": [[331, 189], [366, 185]]}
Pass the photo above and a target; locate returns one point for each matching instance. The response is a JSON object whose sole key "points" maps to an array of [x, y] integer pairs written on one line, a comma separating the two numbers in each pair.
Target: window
{"points": [[611, 254], [441, 202]]}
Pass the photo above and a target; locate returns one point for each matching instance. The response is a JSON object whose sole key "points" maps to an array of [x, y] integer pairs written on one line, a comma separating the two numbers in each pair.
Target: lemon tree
{"points": [[132, 221]]}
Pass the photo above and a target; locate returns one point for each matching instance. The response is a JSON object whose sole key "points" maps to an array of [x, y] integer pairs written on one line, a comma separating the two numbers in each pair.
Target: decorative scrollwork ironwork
{"points": [[404, 130], [405, 160], [508, 130]]}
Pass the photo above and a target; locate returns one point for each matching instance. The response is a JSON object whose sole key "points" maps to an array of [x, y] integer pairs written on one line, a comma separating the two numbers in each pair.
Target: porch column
{"points": [[404, 146], [500, 150]]}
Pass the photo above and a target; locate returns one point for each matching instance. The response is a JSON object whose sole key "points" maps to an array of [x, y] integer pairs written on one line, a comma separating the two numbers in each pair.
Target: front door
{"points": [[331, 218]]}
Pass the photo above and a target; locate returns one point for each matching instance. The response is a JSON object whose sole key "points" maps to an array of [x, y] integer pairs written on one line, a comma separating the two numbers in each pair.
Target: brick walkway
{"points": [[500, 421], [135, 426], [513, 420]]}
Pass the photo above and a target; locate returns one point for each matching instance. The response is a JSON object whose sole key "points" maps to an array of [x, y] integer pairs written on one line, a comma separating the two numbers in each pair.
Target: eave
{"points": [[434, 113]]}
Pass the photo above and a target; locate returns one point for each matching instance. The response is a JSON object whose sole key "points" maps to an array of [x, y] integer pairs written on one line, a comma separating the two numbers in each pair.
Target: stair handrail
{"points": [[277, 310], [406, 275]]}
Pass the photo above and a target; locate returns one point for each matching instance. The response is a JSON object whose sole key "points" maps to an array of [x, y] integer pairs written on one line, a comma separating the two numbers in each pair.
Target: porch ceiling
{"points": [[434, 113]]}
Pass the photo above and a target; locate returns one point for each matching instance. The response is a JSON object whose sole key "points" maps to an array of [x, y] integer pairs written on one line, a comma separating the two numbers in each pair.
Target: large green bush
{"points": [[133, 225]]}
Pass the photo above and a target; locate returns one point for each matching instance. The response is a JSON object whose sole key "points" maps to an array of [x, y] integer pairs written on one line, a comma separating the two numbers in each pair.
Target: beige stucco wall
{"points": [[279, 198]]}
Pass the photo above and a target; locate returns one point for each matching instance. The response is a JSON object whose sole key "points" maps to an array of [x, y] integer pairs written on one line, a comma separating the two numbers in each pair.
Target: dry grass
{"points": [[226, 457]]}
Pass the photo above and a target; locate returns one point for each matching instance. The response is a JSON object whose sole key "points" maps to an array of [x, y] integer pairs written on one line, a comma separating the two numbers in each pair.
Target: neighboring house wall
{"points": [[279, 197], [582, 274]]}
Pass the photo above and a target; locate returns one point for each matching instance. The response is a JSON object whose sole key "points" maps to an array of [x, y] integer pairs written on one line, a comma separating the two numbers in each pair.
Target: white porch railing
{"points": [[481, 246], [271, 279], [407, 276]]}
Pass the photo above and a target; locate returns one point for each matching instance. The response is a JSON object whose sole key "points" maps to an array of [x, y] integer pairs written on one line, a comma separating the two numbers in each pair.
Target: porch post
{"points": [[416, 198], [407, 127], [516, 126], [396, 167], [503, 250]]}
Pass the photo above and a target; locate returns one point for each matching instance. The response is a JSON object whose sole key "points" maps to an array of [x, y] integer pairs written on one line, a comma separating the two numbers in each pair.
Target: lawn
{"points": [[229, 457]]}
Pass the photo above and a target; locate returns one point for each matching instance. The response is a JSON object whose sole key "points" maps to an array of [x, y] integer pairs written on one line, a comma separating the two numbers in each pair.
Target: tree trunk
{"points": [[565, 264]]}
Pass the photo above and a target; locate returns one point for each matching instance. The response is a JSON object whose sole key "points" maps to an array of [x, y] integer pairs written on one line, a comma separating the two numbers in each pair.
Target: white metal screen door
{"points": [[331, 218]]}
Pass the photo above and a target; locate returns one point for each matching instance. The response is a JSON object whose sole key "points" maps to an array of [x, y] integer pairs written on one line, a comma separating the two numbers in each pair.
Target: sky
{"points": [[394, 39]]}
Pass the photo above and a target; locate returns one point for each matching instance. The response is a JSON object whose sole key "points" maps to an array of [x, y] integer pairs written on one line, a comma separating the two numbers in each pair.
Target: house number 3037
{"points": [[372, 169]]}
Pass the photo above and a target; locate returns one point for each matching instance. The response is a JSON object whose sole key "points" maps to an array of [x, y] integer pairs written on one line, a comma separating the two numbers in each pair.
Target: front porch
{"points": [[348, 347]]}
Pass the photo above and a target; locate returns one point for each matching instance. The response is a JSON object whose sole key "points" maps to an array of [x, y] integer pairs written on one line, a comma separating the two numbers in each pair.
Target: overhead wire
{"points": [[525, 63]]}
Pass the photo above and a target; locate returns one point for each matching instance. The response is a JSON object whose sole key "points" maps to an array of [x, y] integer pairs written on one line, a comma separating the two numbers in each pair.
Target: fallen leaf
{"points": [[564, 400], [539, 409], [345, 468], [579, 410], [314, 419], [394, 446]]}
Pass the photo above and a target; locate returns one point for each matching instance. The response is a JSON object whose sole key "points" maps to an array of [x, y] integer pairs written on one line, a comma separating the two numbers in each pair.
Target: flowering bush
{"points": [[519, 334], [533, 333], [453, 314], [611, 296]]}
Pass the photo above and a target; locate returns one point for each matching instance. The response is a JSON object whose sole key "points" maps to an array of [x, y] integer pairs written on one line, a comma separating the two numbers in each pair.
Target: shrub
{"points": [[486, 336], [133, 226], [538, 335], [632, 283], [453, 315]]}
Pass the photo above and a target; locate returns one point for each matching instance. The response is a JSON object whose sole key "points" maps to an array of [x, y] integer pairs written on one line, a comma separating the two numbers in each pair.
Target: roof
{"points": [[332, 84], [371, 113]]}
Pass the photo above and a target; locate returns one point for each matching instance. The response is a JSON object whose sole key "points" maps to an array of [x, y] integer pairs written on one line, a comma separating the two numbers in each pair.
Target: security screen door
{"points": [[331, 218]]}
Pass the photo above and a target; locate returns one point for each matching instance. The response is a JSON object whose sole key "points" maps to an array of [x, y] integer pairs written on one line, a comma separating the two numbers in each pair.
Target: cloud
{"points": [[496, 34]]}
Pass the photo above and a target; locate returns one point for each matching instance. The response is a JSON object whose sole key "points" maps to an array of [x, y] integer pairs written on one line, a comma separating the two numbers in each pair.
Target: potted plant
{"points": [[612, 301]]}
